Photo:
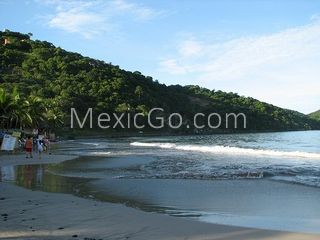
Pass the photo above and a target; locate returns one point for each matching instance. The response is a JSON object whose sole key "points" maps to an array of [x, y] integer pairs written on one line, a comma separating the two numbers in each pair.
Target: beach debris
{"points": [[22, 211], [5, 216]]}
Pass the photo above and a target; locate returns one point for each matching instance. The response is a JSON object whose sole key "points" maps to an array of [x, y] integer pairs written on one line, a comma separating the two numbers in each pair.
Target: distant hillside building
{"points": [[6, 41]]}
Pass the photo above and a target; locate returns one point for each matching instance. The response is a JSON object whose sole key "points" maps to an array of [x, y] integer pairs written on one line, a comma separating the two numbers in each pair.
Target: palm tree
{"points": [[9, 106], [36, 110], [5, 103], [14, 110], [53, 118], [17, 112]]}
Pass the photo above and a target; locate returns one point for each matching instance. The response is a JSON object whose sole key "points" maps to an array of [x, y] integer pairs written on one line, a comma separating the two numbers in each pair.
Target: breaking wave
{"points": [[229, 150]]}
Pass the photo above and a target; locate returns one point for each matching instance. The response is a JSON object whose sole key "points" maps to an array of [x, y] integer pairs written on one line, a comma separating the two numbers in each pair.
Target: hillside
{"points": [[66, 79], [315, 115]]}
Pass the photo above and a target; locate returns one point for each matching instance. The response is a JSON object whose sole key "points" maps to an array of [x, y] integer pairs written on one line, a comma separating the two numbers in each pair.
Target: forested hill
{"points": [[66, 79], [315, 115]]}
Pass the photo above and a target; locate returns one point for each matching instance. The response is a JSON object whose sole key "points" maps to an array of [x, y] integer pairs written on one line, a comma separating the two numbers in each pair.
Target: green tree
{"points": [[138, 91]]}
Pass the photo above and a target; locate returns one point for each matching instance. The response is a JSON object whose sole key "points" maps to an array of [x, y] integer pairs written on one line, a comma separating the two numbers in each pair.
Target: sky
{"points": [[266, 49]]}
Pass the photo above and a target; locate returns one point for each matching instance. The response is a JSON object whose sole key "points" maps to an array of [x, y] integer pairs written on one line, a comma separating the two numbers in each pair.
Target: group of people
{"points": [[36, 144]]}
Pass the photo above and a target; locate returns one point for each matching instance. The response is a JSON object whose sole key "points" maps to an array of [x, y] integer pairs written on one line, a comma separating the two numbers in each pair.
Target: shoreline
{"points": [[41, 215]]}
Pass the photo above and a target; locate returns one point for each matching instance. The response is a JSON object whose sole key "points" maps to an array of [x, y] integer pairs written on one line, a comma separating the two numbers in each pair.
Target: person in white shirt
{"points": [[40, 147]]}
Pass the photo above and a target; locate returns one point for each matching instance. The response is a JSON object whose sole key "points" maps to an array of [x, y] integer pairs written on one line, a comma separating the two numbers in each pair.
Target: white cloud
{"points": [[140, 12], [74, 21], [190, 48], [89, 18], [282, 68], [173, 67]]}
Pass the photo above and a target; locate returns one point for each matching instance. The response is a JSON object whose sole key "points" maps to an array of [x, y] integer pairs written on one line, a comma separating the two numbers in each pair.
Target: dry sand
{"points": [[26, 214]]}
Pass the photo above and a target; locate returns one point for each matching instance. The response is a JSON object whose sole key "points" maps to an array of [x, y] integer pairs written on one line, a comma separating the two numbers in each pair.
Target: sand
{"points": [[26, 214], [20, 159]]}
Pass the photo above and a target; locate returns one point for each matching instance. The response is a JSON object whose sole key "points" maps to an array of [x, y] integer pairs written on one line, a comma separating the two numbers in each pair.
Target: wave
{"points": [[199, 176], [229, 150], [99, 153], [312, 181], [89, 143]]}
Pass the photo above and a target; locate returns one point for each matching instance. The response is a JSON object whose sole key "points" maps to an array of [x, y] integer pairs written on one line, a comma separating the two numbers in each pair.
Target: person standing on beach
{"points": [[46, 144], [34, 140], [28, 147], [40, 147]]}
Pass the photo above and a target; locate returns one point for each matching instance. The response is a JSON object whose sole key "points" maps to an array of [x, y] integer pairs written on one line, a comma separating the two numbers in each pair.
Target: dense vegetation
{"points": [[63, 79], [315, 115], [30, 111]]}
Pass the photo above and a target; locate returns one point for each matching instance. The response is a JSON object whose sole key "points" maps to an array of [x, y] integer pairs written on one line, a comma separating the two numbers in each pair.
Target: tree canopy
{"points": [[315, 115]]}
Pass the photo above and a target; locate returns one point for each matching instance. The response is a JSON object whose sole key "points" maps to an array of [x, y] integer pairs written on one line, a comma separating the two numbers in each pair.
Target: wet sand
{"points": [[258, 203], [26, 214], [20, 159]]}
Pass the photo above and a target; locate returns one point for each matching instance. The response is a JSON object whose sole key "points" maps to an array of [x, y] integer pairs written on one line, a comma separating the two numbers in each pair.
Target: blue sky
{"points": [[267, 49]]}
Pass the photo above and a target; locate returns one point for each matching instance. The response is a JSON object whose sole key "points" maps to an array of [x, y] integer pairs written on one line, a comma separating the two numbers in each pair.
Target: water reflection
{"points": [[38, 177], [29, 176], [41, 177], [7, 173]]}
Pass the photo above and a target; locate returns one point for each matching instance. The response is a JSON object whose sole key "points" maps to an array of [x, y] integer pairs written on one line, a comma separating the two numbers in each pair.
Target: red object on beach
{"points": [[28, 150], [28, 144]]}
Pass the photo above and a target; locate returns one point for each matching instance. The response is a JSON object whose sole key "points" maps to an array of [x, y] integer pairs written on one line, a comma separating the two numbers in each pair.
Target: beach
{"points": [[27, 214], [159, 120]]}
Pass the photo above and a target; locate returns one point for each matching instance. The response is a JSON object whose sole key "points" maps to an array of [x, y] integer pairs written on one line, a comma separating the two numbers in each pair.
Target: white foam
{"points": [[99, 153], [229, 150], [92, 153], [89, 143]]}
